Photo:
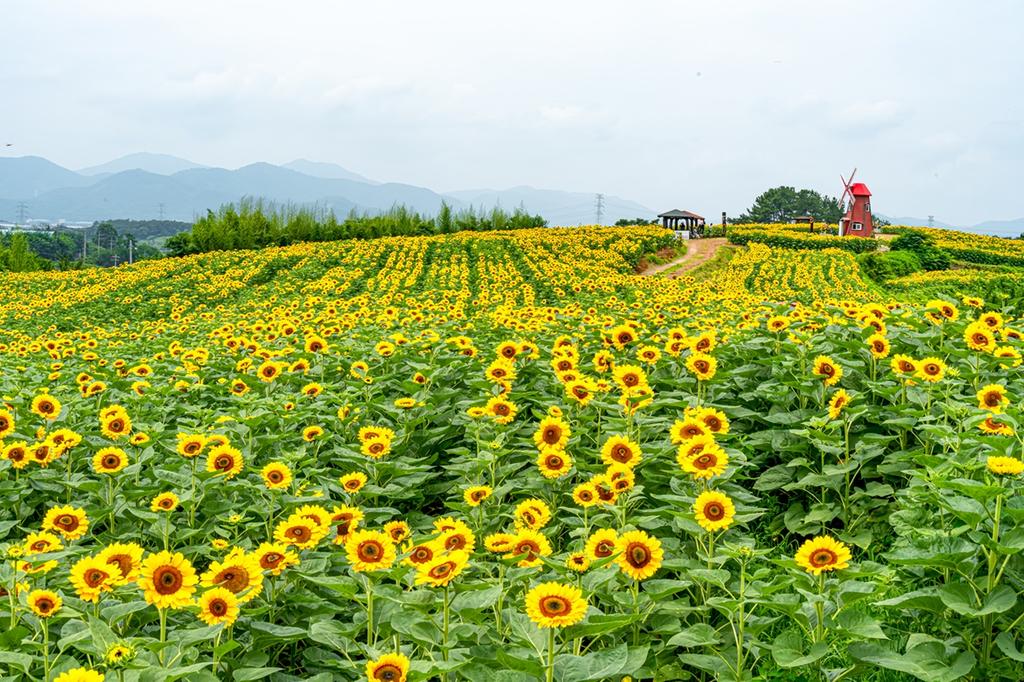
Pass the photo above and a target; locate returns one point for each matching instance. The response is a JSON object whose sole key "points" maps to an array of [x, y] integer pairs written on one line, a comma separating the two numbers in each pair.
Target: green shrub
{"points": [[889, 265], [930, 256]]}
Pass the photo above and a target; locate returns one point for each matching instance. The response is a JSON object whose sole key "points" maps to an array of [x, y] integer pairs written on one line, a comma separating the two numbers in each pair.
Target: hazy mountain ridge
{"points": [[144, 185]]}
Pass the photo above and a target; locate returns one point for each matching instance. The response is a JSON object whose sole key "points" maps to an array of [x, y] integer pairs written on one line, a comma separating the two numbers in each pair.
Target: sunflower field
{"points": [[503, 456]]}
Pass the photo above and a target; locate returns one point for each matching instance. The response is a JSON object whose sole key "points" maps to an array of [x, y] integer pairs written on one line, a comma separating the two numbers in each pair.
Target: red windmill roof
{"points": [[859, 189]]}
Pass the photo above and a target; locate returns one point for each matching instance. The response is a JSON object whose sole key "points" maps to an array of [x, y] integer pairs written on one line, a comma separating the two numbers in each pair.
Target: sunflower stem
{"points": [[46, 649], [444, 633], [163, 633], [369, 611], [551, 655]]}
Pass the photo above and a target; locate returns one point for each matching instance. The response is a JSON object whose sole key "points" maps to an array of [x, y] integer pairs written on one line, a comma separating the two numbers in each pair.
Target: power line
{"points": [[599, 207]]}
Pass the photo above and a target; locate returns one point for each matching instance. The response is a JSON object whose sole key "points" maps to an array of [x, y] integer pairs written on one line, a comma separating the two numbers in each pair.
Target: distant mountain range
{"points": [[145, 186], [996, 228]]}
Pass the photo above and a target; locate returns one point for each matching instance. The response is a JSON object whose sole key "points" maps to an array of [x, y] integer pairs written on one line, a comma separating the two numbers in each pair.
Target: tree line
{"points": [[103, 244], [254, 224]]}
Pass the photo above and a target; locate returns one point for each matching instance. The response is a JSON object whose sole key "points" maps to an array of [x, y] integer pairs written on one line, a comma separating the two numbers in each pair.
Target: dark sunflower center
{"points": [[234, 579], [714, 511], [111, 461], [370, 551], [300, 533], [95, 578], [167, 580], [639, 555], [823, 557], [218, 607], [554, 606], [604, 549], [387, 673]]}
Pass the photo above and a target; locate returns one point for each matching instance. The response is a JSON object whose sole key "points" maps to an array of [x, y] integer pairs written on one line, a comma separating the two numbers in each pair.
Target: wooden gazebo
{"points": [[683, 221]]}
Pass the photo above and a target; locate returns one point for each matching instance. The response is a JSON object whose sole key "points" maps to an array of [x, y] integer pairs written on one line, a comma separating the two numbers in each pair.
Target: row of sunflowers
{"points": [[502, 456]]}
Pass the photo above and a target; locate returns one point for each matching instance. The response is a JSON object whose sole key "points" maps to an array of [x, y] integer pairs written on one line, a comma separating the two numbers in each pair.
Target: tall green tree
{"points": [[784, 203]]}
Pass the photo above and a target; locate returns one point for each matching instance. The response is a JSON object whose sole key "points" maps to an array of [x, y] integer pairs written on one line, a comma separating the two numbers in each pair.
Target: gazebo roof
{"points": [[676, 213]]}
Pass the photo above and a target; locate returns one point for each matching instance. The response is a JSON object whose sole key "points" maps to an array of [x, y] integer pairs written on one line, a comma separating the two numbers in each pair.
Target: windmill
{"points": [[856, 220]]}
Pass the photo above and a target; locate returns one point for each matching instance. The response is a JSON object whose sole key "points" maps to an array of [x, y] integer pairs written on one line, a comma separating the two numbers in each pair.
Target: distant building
{"points": [[684, 223]]}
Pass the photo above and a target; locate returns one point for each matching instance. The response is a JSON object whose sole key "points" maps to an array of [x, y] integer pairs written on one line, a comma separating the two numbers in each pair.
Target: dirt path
{"points": [[691, 249], [700, 251]]}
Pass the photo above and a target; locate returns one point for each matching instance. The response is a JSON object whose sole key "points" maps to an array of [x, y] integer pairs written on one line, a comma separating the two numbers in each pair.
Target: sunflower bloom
{"points": [[218, 606], [388, 668], [639, 554], [714, 511], [555, 605], [370, 550], [823, 553], [168, 580]]}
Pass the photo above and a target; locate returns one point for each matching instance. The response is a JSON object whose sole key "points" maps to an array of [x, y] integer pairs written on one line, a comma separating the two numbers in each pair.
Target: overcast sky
{"points": [[695, 105]]}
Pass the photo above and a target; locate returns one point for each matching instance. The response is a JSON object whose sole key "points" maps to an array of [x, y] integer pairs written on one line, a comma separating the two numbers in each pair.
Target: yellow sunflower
{"points": [[91, 576], [827, 370], [353, 482], [476, 494], [190, 444], [370, 550], [1006, 466], [109, 460], [702, 365], [993, 398], [239, 573], [299, 532], [441, 570], [533, 513], [823, 553], [602, 544], [164, 502], [70, 522], [702, 457], [554, 463], [276, 476], [555, 605], [714, 510], [225, 461], [46, 406], [218, 606], [931, 370], [274, 557], [168, 580], [529, 546], [345, 519], [126, 557], [552, 433], [639, 554], [44, 603], [6, 424], [838, 402], [620, 450], [388, 668]]}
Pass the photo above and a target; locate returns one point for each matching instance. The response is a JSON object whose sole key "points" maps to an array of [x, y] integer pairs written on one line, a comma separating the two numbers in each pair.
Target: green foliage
{"points": [[921, 245], [254, 224], [795, 239], [783, 204], [889, 265], [625, 222]]}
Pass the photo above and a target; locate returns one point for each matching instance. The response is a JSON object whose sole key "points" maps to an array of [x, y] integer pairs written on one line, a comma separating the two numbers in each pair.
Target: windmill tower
{"points": [[856, 220]]}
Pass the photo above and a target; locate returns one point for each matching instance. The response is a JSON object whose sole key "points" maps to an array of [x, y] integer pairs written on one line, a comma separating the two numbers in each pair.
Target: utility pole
{"points": [[131, 242], [161, 206], [931, 221], [85, 240], [599, 206], [22, 212]]}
